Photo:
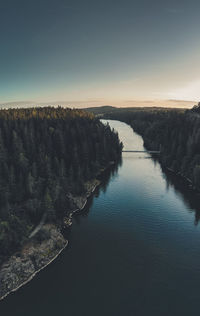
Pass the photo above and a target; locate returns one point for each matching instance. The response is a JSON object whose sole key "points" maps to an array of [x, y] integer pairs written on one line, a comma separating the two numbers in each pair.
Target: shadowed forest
{"points": [[44, 154]]}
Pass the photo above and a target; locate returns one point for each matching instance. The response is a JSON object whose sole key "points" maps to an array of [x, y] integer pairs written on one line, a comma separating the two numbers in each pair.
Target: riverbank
{"points": [[162, 158], [24, 265], [188, 182], [36, 254]]}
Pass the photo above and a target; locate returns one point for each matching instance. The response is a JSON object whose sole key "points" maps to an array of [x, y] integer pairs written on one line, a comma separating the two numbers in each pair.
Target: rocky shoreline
{"points": [[21, 267]]}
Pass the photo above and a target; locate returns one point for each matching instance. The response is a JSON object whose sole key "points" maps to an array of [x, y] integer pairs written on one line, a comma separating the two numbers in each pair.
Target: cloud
{"points": [[191, 91]]}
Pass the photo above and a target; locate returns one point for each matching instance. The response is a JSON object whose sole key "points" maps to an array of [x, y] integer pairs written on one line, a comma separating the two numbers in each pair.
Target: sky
{"points": [[87, 53]]}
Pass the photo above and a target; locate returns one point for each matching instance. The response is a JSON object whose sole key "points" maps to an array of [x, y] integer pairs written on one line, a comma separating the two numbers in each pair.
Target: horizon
{"points": [[95, 103], [120, 53]]}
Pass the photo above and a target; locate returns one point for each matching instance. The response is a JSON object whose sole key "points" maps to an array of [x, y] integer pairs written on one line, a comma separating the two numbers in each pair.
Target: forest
{"points": [[175, 132], [44, 154]]}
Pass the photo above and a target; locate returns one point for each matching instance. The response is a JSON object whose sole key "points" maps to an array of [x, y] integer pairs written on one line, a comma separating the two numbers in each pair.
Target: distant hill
{"points": [[100, 109], [19, 104], [107, 110]]}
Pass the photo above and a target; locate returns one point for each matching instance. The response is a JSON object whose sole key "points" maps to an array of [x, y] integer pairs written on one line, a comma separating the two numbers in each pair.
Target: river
{"points": [[134, 252]]}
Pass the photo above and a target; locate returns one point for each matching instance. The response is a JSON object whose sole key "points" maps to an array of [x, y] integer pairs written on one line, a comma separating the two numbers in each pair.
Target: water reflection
{"points": [[105, 179], [190, 197]]}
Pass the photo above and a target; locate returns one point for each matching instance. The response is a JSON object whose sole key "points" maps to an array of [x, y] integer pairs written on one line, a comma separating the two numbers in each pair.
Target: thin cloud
{"points": [[187, 92]]}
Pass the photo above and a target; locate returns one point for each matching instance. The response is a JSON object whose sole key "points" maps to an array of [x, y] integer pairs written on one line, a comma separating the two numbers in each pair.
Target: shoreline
{"points": [[13, 266], [187, 182], [35, 273]]}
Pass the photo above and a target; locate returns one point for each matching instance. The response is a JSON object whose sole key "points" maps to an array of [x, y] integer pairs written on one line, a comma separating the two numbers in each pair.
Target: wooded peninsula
{"points": [[45, 155]]}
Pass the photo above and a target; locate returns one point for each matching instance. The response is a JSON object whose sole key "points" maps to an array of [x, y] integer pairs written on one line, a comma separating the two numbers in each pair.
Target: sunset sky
{"points": [[100, 52]]}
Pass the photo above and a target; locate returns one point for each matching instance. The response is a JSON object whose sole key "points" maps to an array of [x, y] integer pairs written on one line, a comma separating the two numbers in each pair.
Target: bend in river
{"points": [[135, 251]]}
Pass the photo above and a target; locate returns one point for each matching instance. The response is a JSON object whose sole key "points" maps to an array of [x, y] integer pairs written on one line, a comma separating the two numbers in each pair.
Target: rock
{"points": [[18, 270]]}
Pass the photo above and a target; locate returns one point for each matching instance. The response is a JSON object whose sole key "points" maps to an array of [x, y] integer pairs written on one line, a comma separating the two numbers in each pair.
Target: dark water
{"points": [[135, 252]]}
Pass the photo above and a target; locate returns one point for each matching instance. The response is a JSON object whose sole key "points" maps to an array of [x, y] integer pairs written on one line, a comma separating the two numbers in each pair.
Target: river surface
{"points": [[134, 252]]}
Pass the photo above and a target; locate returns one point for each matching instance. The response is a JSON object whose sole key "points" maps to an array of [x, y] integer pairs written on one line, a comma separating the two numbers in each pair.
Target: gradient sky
{"points": [[99, 52]]}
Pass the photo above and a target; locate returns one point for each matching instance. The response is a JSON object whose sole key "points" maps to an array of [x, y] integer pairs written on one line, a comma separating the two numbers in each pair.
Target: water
{"points": [[134, 252]]}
